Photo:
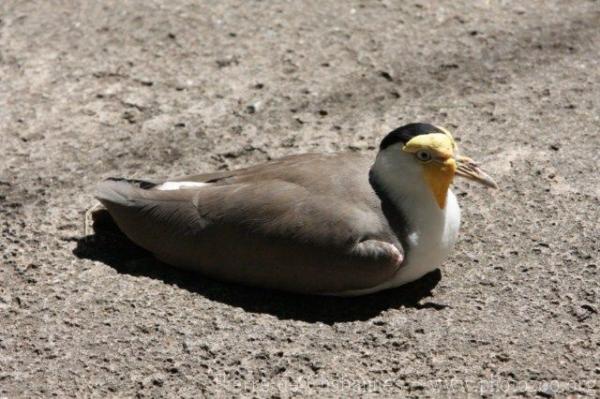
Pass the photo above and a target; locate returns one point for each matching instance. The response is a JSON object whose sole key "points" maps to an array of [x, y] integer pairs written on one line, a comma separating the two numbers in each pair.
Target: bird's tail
{"points": [[154, 219], [115, 190]]}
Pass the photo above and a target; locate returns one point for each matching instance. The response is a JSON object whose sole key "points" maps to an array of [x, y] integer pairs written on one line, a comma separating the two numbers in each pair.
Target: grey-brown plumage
{"points": [[310, 223], [342, 224]]}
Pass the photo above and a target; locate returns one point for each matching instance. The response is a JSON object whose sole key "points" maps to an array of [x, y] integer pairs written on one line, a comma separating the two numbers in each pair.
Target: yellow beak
{"points": [[470, 169]]}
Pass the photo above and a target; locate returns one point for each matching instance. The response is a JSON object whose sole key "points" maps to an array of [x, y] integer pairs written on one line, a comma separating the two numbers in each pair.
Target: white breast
{"points": [[433, 232]]}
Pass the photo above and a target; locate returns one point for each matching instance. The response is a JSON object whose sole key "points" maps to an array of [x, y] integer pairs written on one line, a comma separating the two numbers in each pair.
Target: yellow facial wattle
{"points": [[439, 177], [439, 144], [439, 171]]}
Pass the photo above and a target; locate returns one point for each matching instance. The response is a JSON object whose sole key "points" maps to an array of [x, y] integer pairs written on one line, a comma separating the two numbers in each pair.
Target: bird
{"points": [[342, 224]]}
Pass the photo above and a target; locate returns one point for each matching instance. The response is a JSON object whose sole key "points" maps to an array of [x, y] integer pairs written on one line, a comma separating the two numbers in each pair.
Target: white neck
{"points": [[406, 188], [431, 231]]}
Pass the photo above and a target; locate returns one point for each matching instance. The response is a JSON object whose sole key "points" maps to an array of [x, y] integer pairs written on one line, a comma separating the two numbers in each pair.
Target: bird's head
{"points": [[431, 153]]}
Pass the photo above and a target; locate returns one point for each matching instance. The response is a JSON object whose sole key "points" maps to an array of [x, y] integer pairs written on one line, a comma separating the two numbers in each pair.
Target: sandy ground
{"points": [[164, 88]]}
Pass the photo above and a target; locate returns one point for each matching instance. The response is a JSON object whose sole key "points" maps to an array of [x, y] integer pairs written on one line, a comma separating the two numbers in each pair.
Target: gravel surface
{"points": [[164, 88]]}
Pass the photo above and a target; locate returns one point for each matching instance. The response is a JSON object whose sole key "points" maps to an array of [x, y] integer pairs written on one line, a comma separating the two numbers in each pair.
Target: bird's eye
{"points": [[423, 155]]}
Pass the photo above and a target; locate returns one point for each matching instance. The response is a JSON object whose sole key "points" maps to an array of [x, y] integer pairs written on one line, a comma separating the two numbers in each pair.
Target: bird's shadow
{"points": [[115, 250]]}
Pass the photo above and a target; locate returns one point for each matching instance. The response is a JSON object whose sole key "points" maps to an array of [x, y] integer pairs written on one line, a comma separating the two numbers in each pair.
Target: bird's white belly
{"points": [[430, 243]]}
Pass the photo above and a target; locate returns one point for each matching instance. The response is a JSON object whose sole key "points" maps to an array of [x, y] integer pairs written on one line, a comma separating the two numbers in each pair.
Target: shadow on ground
{"points": [[116, 251]]}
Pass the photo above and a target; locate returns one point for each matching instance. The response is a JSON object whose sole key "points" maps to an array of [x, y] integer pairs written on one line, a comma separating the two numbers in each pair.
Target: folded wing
{"points": [[281, 226]]}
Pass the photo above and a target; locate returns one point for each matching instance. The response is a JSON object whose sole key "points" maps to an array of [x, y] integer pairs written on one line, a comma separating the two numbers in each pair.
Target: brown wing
{"points": [[308, 223]]}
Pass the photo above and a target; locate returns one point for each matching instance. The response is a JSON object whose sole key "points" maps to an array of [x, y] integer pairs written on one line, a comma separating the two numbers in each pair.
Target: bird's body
{"points": [[341, 224]]}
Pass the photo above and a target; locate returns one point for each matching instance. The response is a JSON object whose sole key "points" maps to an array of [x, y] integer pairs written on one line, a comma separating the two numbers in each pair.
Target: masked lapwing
{"points": [[331, 223]]}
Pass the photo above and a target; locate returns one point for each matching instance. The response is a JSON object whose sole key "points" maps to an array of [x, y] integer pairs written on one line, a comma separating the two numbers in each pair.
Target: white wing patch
{"points": [[179, 185]]}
